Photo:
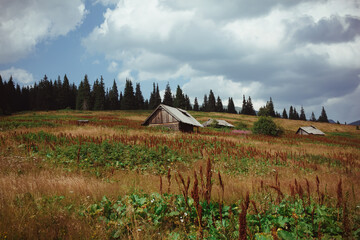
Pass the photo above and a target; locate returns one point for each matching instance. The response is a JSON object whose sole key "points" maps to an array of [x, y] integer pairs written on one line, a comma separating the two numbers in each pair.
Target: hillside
{"points": [[356, 123], [113, 178]]}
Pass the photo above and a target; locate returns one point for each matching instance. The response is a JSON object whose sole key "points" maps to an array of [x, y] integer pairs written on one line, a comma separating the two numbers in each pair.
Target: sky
{"points": [[300, 53]]}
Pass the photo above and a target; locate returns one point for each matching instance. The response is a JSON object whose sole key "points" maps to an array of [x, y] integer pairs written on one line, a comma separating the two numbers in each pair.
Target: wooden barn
{"points": [[309, 131], [217, 123], [173, 118]]}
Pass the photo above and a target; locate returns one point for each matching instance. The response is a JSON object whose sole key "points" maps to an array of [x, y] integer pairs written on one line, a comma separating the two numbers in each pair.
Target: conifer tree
{"points": [[114, 97], [219, 105], [291, 113], [323, 116], [302, 114], [179, 101], [284, 114], [243, 107], [99, 95], [196, 104], [168, 99], [211, 102], [313, 118], [250, 108], [121, 97], [152, 99], [231, 106], [270, 107], [83, 96], [157, 96], [128, 101], [187, 103], [139, 97], [296, 114], [66, 98], [205, 105]]}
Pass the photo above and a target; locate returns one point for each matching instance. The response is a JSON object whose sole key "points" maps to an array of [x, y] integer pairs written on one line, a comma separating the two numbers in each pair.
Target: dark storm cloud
{"points": [[335, 29]]}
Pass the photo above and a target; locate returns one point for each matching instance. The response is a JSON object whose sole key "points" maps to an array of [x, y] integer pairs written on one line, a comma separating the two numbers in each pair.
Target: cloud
{"points": [[254, 48], [334, 29], [19, 75], [26, 23]]}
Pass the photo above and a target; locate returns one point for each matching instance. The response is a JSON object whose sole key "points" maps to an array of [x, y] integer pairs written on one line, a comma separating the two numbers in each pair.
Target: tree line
{"points": [[60, 94]]}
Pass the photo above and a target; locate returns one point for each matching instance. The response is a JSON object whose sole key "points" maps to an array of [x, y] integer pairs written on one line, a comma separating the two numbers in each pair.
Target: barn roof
{"points": [[178, 113], [219, 122], [311, 130]]}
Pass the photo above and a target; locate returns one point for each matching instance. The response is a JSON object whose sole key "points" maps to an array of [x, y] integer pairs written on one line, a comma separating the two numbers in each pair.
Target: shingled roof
{"points": [[179, 114]]}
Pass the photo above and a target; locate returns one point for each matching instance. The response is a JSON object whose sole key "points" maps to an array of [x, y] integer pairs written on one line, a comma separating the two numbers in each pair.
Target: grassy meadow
{"points": [[115, 179]]}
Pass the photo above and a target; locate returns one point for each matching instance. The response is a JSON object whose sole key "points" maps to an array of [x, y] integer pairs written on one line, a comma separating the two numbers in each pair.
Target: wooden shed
{"points": [[173, 118], [309, 131]]}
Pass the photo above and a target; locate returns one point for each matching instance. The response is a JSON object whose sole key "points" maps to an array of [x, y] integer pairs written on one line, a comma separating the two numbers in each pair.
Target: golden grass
{"points": [[29, 178]]}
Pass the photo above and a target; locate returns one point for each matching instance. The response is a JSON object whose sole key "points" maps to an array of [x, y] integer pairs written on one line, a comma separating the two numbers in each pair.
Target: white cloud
{"points": [[233, 48], [19, 75], [112, 66], [26, 23]]}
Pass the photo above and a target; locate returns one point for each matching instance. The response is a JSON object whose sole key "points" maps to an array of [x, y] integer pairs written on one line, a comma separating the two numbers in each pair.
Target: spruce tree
{"points": [[99, 95], [83, 96], [114, 97], [179, 101], [219, 105], [168, 99], [211, 102], [205, 105], [139, 97], [284, 114], [231, 106], [157, 96], [128, 101], [270, 107], [296, 114], [323, 116], [291, 113], [313, 118], [302, 114], [250, 108], [187, 103], [196, 104], [152, 99], [243, 107]]}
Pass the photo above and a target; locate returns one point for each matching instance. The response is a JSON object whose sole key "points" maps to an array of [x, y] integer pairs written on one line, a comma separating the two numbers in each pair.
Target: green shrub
{"points": [[266, 126], [241, 126]]}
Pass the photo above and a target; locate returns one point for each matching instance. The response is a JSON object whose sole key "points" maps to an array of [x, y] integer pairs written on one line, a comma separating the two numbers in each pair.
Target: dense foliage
{"points": [[266, 126], [53, 95]]}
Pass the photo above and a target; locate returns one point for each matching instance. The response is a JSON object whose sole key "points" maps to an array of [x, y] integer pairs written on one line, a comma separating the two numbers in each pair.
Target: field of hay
{"points": [[113, 178]]}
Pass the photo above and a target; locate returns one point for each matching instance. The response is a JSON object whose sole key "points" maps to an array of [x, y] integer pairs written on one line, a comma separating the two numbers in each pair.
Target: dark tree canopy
{"points": [[196, 105], [128, 101], [284, 114], [168, 98], [211, 102], [114, 103], [231, 106], [139, 99], [323, 116], [302, 114]]}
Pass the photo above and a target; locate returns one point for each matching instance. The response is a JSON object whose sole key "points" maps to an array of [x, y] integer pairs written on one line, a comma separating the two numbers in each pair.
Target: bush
{"points": [[266, 126], [241, 126]]}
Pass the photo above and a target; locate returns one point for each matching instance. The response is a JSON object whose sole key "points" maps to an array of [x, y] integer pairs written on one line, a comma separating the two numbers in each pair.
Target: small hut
{"points": [[173, 118], [309, 131], [217, 123]]}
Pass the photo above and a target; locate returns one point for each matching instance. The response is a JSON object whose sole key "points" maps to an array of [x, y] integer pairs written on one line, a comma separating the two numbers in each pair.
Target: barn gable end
{"points": [[173, 118]]}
